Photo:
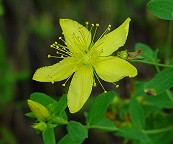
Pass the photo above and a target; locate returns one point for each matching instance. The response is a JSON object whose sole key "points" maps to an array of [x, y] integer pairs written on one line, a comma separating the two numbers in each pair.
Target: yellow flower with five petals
{"points": [[84, 58]]}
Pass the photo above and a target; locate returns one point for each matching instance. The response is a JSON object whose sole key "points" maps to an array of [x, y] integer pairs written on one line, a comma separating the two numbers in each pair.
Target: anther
{"points": [[87, 24], [52, 82], [49, 56], [63, 84], [97, 24], [94, 85], [117, 86]]}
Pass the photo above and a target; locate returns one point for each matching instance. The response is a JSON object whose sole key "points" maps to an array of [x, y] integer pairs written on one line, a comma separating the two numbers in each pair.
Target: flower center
{"points": [[86, 59]]}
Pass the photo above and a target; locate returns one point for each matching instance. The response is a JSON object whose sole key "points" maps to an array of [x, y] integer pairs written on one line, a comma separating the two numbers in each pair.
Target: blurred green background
{"points": [[29, 27]]}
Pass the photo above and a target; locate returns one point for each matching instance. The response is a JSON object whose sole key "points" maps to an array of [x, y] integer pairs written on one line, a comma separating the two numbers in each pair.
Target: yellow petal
{"points": [[113, 40], [112, 69], [80, 88], [77, 37], [56, 72]]}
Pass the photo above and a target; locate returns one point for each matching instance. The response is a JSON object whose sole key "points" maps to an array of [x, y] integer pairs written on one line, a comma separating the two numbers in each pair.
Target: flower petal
{"points": [[113, 40], [112, 69], [56, 72], [77, 37], [80, 88]]}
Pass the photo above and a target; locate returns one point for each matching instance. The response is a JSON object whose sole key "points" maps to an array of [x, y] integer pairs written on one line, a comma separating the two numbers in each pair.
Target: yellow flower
{"points": [[85, 59]]}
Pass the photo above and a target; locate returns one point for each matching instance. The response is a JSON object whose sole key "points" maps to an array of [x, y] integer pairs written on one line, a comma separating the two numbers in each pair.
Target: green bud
{"points": [[39, 127], [39, 110], [123, 54]]}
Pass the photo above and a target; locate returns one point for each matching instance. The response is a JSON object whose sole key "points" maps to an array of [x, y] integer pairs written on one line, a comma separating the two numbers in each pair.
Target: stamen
{"points": [[60, 38], [97, 25], [66, 80], [106, 31], [50, 56], [100, 82], [117, 86], [87, 24], [61, 50], [94, 83], [66, 55]]}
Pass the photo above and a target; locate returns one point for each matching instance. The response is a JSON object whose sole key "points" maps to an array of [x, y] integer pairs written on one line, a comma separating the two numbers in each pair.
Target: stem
{"points": [[169, 42], [155, 131], [103, 128], [152, 63]]}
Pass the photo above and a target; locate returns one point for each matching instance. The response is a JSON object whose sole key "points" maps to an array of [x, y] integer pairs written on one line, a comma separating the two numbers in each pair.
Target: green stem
{"points": [[152, 63], [103, 128], [155, 131]]}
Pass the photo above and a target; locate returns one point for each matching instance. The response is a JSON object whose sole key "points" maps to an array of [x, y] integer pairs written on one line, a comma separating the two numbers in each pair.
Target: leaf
{"points": [[98, 108], [136, 114], [61, 105], [159, 138], [77, 131], [160, 83], [162, 9], [48, 136], [134, 134], [162, 100], [67, 140], [30, 114], [105, 124], [42, 98]]}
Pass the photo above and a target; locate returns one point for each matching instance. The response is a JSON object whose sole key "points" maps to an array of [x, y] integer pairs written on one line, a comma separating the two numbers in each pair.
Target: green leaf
{"points": [[136, 114], [147, 52], [162, 9], [42, 98], [165, 137], [99, 107], [162, 100], [77, 131], [134, 134], [61, 105], [105, 124], [30, 114], [67, 140], [49, 136], [160, 83]]}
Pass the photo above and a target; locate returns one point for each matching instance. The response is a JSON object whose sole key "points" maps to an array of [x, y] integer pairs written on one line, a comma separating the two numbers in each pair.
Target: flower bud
{"points": [[39, 127], [39, 110], [123, 54]]}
